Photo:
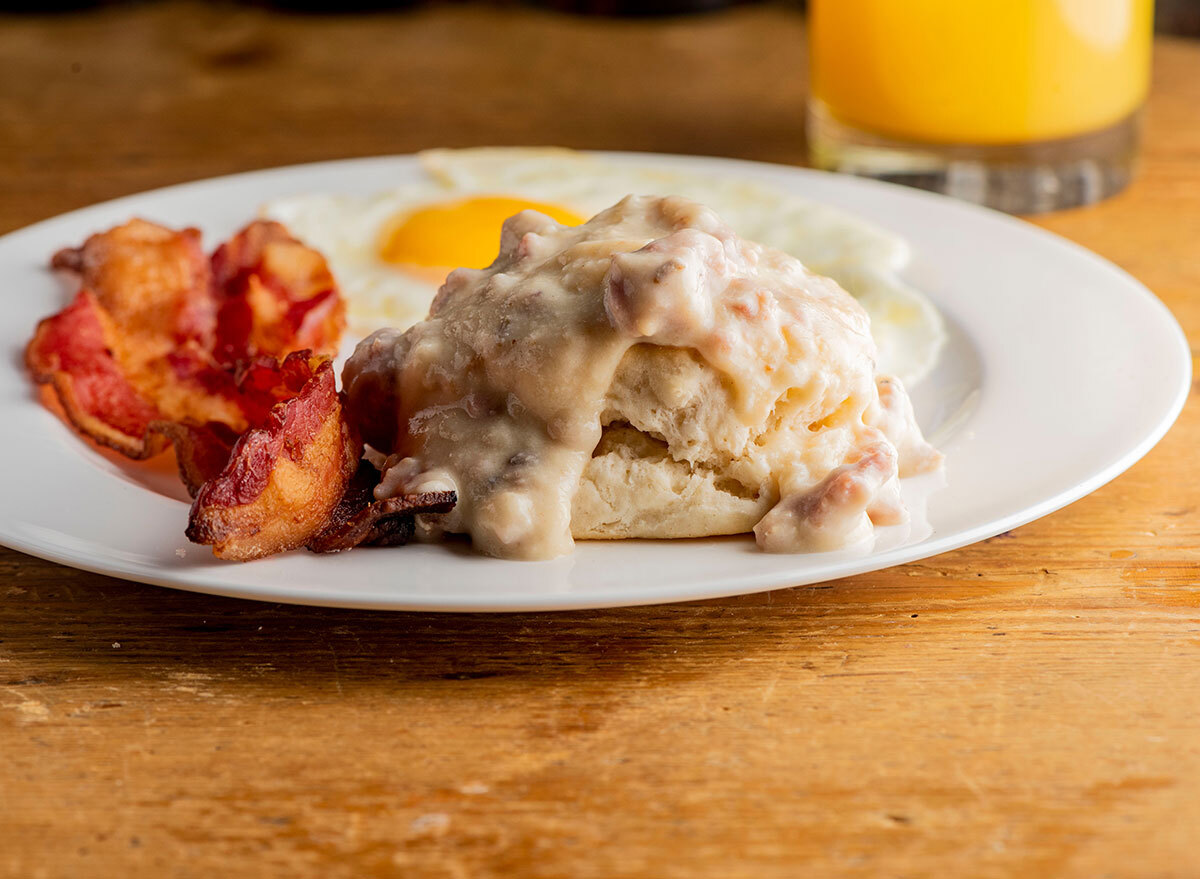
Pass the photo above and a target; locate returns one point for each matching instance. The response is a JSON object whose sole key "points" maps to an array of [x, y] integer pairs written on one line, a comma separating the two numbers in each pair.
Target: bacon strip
{"points": [[140, 330], [152, 281], [71, 352], [200, 451], [360, 520], [277, 295], [264, 382], [138, 345], [283, 481], [161, 347]]}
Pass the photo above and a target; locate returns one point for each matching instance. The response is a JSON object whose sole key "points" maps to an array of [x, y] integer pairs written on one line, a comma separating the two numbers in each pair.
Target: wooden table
{"points": [[1028, 706]]}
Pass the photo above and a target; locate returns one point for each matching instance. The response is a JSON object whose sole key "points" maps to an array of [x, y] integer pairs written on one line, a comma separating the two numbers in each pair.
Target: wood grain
{"points": [[1027, 706]]}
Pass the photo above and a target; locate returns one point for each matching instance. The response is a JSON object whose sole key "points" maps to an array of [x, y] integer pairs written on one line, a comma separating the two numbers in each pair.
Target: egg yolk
{"points": [[460, 233]]}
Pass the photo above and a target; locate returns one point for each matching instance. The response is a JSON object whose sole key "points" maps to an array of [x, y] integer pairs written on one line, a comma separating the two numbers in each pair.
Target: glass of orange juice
{"points": [[1022, 105]]}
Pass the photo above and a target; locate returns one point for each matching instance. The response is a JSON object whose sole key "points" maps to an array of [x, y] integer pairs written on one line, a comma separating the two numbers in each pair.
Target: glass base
{"points": [[1019, 178]]}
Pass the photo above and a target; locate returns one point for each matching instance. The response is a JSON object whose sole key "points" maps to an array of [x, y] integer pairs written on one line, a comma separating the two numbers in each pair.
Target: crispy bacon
{"points": [[162, 347], [71, 352], [264, 381], [282, 481], [187, 386], [139, 346], [360, 520], [201, 451], [148, 290], [111, 392], [152, 281], [276, 295]]}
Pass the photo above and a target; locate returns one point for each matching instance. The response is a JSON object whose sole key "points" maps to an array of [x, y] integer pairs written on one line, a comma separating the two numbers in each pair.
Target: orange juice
{"points": [[980, 71]]}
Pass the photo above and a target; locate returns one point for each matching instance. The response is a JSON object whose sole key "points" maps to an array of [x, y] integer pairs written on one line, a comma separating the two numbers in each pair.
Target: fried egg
{"points": [[390, 251]]}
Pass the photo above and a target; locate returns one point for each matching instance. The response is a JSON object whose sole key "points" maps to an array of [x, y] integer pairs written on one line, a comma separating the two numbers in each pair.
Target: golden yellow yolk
{"points": [[459, 233]]}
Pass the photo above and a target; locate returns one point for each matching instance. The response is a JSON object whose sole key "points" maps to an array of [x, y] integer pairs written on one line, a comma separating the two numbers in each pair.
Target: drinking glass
{"points": [[1022, 105]]}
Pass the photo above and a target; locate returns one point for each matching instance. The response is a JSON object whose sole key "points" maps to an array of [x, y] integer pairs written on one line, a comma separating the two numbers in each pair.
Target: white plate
{"points": [[1061, 371]]}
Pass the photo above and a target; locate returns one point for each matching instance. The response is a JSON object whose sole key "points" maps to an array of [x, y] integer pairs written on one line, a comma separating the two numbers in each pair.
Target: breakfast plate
{"points": [[1059, 372]]}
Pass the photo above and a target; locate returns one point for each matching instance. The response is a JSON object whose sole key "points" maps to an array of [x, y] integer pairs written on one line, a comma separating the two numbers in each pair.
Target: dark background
{"points": [[1171, 16]]}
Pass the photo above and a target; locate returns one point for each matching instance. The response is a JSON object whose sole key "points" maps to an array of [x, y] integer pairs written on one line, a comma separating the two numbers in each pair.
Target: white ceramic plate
{"points": [[1061, 371]]}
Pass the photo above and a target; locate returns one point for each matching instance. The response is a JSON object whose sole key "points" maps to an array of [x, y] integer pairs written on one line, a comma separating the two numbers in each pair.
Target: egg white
{"points": [[864, 259]]}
